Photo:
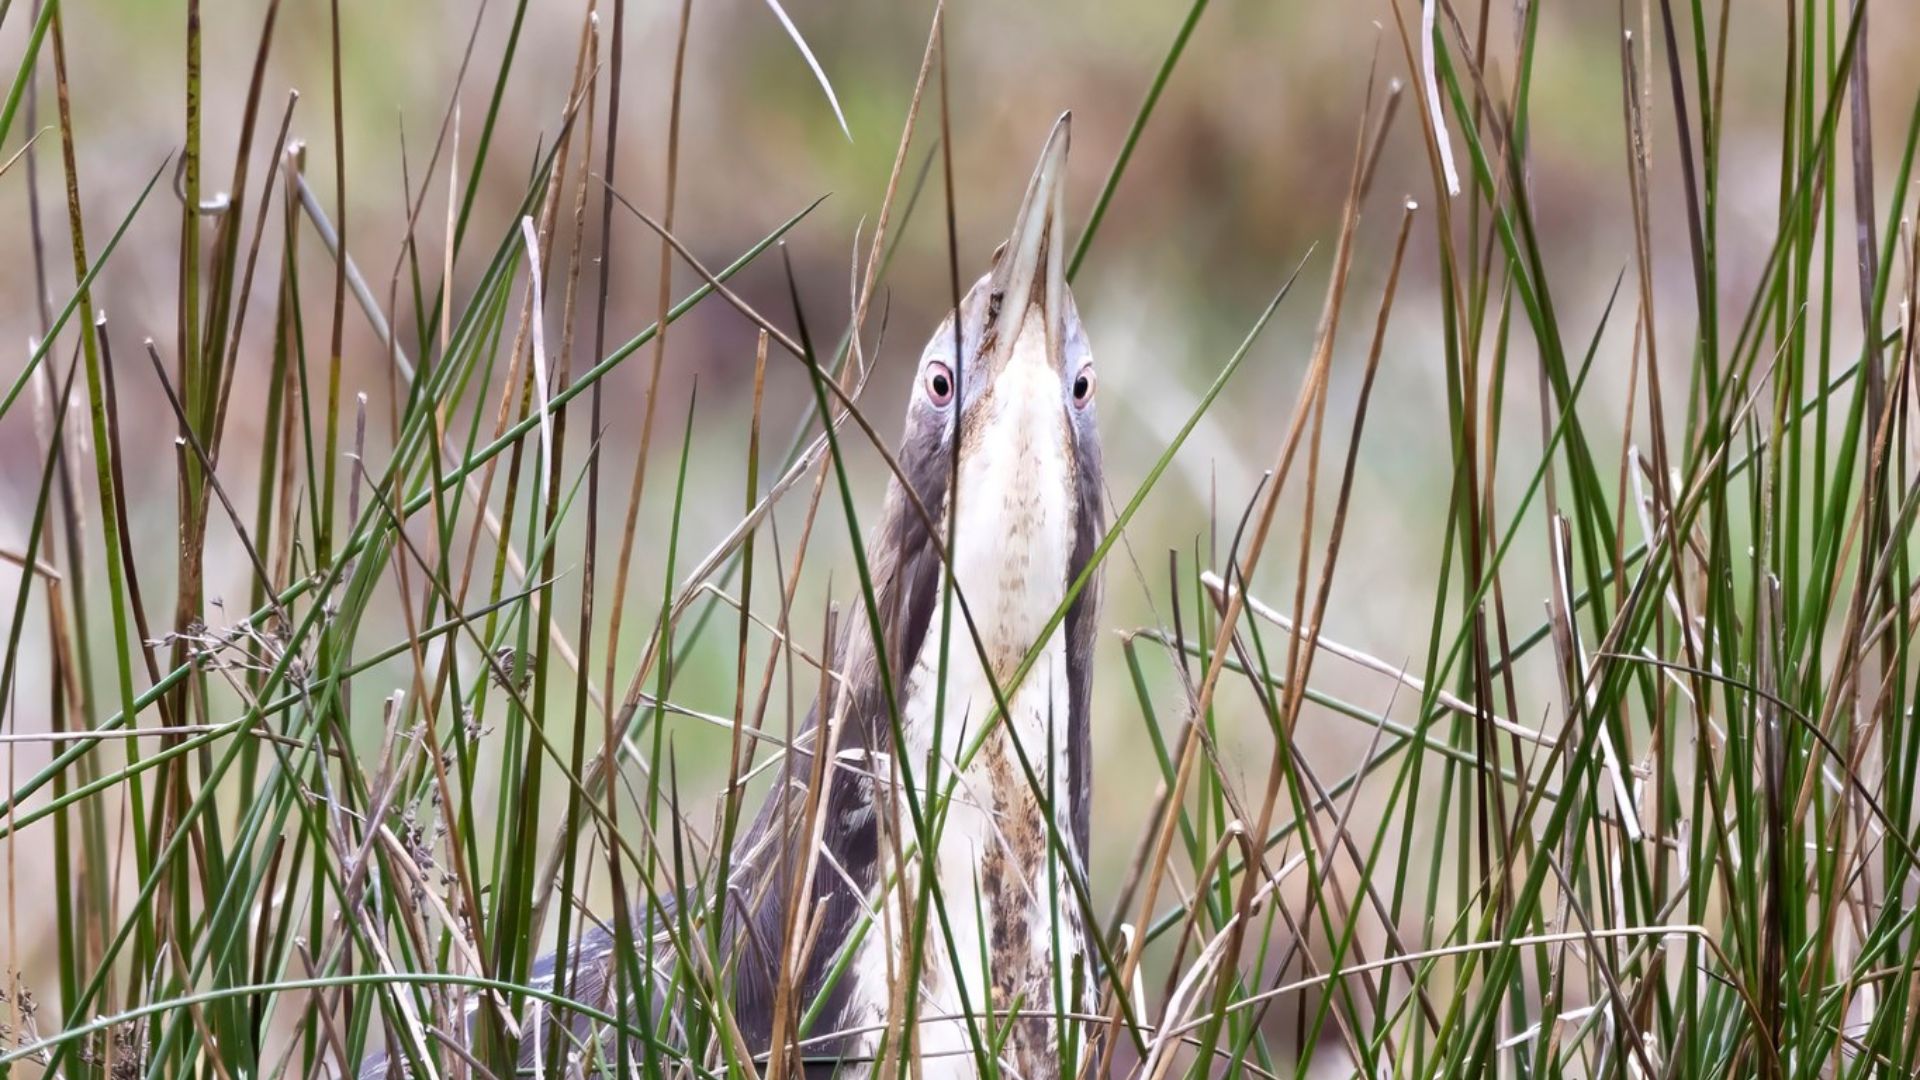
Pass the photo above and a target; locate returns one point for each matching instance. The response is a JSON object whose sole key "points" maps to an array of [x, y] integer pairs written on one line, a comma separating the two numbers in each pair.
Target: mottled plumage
{"points": [[1025, 518]]}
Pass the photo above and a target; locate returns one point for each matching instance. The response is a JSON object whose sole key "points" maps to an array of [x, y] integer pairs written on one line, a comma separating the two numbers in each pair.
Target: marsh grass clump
{"points": [[1634, 794]]}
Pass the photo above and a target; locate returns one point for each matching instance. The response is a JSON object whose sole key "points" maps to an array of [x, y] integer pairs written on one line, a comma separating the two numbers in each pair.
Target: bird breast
{"points": [[1002, 879]]}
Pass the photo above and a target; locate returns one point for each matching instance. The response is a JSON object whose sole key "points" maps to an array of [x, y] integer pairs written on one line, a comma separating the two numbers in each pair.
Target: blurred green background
{"points": [[1239, 177]]}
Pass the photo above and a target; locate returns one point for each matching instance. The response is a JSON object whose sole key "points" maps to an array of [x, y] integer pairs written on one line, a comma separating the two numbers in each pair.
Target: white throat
{"points": [[1003, 879]]}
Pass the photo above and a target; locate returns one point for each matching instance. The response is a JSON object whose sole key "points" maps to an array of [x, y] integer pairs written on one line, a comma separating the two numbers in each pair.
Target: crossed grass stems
{"points": [[1758, 986]]}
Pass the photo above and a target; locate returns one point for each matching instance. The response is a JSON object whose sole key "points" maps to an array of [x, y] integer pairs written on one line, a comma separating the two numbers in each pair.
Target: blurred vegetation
{"points": [[1804, 965]]}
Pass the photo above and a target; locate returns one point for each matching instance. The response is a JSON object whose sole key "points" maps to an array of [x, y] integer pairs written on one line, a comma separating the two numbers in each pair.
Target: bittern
{"points": [[1002, 458]]}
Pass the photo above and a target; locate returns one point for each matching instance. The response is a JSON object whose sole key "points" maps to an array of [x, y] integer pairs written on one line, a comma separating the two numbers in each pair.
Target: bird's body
{"points": [[1013, 562], [1000, 469]]}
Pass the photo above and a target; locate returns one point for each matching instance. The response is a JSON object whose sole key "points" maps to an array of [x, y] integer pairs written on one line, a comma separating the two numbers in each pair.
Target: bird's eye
{"points": [[939, 383], [1083, 387]]}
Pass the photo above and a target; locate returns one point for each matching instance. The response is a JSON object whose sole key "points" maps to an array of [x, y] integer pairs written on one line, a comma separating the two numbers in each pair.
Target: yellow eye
{"points": [[939, 383]]}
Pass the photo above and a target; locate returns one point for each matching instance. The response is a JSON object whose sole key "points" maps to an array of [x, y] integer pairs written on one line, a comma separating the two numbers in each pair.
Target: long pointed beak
{"points": [[1031, 272]]}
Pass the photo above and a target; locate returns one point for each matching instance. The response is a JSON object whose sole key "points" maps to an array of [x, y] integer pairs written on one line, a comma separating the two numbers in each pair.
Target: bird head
{"points": [[1017, 318], [1012, 391]]}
